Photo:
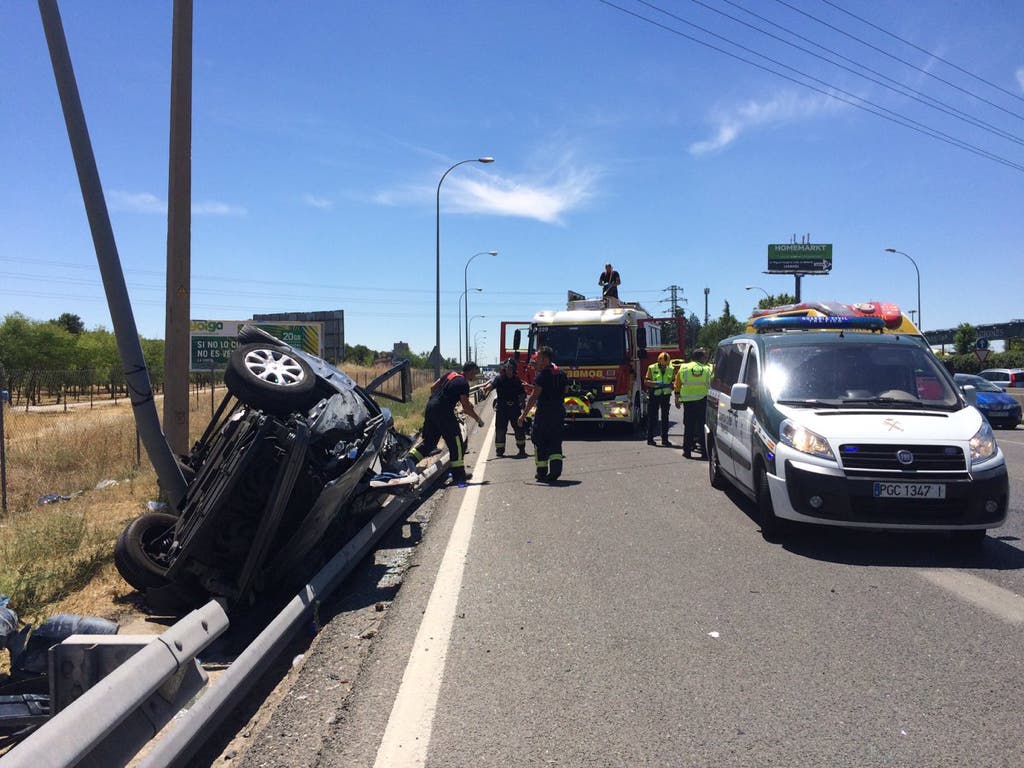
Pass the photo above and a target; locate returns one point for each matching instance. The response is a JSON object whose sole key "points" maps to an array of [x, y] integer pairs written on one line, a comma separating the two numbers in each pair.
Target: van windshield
{"points": [[857, 375], [584, 344]]}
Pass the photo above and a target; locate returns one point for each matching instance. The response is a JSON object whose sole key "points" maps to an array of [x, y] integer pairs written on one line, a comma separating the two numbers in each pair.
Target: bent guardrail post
{"points": [[68, 737], [187, 734], [140, 389]]}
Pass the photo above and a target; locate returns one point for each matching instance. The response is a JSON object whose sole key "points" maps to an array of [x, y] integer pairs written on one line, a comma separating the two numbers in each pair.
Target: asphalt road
{"points": [[633, 616]]}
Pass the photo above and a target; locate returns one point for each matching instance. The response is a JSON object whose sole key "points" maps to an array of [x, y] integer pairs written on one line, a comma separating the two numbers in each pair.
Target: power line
{"points": [[933, 55], [896, 87], [872, 108], [894, 57]]}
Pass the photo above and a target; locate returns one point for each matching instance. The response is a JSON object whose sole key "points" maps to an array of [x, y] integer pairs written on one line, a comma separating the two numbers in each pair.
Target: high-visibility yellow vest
{"points": [[662, 378], [692, 381]]}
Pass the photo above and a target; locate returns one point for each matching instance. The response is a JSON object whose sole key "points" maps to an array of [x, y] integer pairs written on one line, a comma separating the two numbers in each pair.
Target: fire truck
{"points": [[604, 347]]}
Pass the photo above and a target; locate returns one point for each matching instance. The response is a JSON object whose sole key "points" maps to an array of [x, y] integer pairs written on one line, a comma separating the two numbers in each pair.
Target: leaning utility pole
{"points": [[179, 233]]}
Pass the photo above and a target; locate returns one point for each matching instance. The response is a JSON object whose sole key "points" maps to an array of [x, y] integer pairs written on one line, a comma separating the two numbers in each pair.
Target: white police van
{"points": [[831, 420]]}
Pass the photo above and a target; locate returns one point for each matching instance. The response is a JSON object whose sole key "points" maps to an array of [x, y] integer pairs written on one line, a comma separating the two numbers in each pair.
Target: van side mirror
{"points": [[517, 337], [739, 396], [970, 394]]}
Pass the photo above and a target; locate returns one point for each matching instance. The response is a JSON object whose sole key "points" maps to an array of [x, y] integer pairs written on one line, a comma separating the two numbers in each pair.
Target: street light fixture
{"points": [[920, 325], [465, 277], [465, 349], [437, 295], [759, 288], [469, 324]]}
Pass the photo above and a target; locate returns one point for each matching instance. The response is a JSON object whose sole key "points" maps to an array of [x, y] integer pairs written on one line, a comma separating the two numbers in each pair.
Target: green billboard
{"points": [[211, 342], [800, 258]]}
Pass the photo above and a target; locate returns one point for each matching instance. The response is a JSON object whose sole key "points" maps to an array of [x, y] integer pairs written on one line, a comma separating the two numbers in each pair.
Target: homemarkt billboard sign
{"points": [[800, 258], [211, 342]]}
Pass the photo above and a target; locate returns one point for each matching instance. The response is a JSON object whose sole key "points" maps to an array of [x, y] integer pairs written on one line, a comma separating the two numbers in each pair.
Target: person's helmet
{"points": [[663, 357]]}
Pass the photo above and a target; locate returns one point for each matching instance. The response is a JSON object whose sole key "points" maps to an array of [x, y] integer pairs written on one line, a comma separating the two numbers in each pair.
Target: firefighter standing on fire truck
{"points": [[691, 387], [548, 422], [439, 419], [508, 403], [658, 382]]}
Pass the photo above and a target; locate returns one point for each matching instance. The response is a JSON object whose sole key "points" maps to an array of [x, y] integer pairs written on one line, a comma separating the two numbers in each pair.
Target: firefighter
{"points": [[549, 396], [439, 419], [658, 383], [508, 404], [691, 387], [609, 281]]}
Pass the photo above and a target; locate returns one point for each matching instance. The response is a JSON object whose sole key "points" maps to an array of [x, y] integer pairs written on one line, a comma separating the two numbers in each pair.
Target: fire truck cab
{"points": [[604, 347]]}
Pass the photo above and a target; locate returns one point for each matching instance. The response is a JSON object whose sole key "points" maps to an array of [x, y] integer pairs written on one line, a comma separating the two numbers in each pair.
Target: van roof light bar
{"points": [[803, 323]]}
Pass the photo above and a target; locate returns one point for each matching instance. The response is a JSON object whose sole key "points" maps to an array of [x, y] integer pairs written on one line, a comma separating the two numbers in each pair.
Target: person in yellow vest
{"points": [[658, 383], [691, 387]]}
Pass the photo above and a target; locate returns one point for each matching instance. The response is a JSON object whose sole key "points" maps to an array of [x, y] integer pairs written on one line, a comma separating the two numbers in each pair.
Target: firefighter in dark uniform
{"points": [[439, 419], [548, 422], [508, 404]]}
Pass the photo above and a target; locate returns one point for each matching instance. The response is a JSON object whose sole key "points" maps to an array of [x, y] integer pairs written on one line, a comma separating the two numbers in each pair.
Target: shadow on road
{"points": [[896, 549]]}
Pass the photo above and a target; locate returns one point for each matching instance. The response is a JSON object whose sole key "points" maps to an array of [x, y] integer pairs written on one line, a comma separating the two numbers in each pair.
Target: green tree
{"points": [[693, 326], [70, 322], [964, 338], [16, 352], [776, 300], [724, 326]]}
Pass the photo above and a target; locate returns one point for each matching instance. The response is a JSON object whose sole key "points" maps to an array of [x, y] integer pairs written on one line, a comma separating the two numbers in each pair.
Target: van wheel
{"points": [[271, 379], [771, 526], [139, 547], [714, 468]]}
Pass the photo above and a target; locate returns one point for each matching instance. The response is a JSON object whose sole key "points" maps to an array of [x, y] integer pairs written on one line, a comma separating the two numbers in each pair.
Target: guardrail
{"points": [[86, 731]]}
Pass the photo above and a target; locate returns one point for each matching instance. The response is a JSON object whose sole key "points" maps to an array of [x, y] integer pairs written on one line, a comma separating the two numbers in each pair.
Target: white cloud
{"points": [[565, 189], [314, 201], [784, 108], [1020, 77], [144, 202]]}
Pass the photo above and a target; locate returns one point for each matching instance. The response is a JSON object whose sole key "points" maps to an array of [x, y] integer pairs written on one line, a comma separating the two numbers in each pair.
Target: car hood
{"points": [[995, 400], [888, 425]]}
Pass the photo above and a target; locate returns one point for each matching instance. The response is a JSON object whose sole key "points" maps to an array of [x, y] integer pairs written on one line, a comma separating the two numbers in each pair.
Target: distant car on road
{"points": [[1004, 377], [999, 408]]}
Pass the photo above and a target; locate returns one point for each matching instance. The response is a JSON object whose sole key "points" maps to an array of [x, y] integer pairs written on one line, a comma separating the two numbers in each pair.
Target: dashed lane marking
{"points": [[407, 735], [1000, 602]]}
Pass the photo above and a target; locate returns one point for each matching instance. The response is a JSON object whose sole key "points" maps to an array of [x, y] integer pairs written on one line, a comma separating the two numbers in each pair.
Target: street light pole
{"points": [[465, 279], [475, 335], [469, 324], [920, 325], [437, 295], [465, 349], [762, 290]]}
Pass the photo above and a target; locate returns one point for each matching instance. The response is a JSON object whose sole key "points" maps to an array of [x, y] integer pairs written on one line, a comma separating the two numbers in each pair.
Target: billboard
{"points": [[800, 258], [211, 342]]}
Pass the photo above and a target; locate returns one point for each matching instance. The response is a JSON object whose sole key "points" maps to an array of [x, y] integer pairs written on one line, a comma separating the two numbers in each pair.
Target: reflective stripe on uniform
{"points": [[540, 462], [416, 454]]}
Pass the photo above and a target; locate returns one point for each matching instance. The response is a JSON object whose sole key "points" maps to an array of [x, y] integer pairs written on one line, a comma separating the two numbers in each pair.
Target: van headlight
{"points": [[804, 440], [983, 444]]}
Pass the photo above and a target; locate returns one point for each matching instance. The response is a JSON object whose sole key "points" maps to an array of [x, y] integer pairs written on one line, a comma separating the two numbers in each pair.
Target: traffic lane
{"points": [[587, 636]]}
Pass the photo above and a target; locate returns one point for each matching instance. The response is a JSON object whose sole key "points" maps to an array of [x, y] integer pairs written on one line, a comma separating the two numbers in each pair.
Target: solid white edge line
{"points": [[407, 734], [1000, 602]]}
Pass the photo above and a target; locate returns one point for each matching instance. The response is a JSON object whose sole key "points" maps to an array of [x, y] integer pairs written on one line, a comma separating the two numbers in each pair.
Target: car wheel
{"points": [[136, 553], [771, 526], [271, 379], [715, 476]]}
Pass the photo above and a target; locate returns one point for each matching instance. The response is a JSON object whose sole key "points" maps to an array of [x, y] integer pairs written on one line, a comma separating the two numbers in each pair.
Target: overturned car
{"points": [[284, 470]]}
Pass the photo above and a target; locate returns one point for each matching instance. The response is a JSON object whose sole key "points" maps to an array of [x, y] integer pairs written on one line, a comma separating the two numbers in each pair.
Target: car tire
{"points": [[715, 476], [132, 552], [272, 379], [771, 525]]}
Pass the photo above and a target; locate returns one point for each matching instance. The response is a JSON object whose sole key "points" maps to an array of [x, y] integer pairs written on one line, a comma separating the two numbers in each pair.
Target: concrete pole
{"points": [[179, 234]]}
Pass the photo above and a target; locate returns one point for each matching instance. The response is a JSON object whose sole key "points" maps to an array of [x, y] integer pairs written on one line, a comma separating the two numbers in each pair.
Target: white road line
{"points": [[1004, 440], [407, 734], [1000, 602]]}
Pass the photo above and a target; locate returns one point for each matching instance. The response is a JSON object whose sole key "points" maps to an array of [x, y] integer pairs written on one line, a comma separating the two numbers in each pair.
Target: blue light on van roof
{"points": [[784, 322]]}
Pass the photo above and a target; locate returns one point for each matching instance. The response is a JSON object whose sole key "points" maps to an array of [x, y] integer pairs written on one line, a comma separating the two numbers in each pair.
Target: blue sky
{"points": [[320, 131]]}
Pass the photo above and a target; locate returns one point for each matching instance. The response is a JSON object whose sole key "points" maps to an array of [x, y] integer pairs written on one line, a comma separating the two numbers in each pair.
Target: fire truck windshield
{"points": [[584, 344]]}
